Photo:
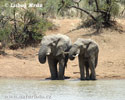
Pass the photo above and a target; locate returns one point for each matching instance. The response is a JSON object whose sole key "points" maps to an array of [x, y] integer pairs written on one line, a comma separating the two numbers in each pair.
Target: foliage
{"points": [[50, 7], [32, 28], [5, 30], [100, 11], [22, 25], [28, 25]]}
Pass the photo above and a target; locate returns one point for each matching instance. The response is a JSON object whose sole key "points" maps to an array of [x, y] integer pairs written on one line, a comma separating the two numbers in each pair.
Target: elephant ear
{"points": [[90, 48], [61, 47], [85, 44]]}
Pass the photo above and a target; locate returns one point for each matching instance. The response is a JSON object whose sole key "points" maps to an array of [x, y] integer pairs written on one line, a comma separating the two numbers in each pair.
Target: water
{"points": [[22, 89]]}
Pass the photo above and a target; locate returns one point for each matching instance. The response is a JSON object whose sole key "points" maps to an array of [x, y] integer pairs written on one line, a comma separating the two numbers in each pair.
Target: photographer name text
{"points": [[25, 5]]}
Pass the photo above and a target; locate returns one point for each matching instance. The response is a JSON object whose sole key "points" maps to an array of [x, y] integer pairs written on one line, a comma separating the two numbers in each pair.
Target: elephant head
{"points": [[74, 52], [53, 45], [77, 48]]}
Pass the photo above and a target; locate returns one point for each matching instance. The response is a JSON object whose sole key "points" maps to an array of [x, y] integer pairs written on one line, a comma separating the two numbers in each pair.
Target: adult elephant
{"points": [[53, 47], [87, 52]]}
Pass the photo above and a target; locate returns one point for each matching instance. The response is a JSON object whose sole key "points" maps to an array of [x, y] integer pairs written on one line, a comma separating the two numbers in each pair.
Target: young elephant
{"points": [[53, 47], [87, 52]]}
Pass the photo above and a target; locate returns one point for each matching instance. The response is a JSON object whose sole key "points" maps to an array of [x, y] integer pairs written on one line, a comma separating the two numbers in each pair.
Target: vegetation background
{"points": [[20, 26]]}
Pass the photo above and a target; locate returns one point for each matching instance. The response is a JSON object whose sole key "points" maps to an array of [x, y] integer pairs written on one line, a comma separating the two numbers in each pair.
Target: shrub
{"points": [[23, 27]]}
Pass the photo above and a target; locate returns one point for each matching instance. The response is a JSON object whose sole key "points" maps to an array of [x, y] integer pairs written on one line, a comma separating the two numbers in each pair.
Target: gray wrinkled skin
{"points": [[53, 47], [87, 51]]}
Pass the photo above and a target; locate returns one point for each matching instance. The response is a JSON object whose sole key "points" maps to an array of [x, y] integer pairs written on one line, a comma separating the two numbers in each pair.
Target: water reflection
{"points": [[17, 89]]}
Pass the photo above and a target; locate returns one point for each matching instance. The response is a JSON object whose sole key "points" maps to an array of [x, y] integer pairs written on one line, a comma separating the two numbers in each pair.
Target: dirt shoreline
{"points": [[23, 63], [70, 78]]}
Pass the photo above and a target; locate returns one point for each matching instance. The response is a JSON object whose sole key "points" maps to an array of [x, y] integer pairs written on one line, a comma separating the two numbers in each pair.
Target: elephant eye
{"points": [[60, 47]]}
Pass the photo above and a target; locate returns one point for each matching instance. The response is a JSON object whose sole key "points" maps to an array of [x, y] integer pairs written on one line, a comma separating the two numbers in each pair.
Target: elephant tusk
{"points": [[65, 52], [75, 55], [48, 54]]}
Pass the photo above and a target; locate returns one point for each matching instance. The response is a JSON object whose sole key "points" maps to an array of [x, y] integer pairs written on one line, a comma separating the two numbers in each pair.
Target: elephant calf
{"points": [[87, 52], [53, 47]]}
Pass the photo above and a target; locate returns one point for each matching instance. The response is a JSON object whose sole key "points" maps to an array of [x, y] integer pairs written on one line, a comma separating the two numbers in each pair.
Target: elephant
{"points": [[54, 47], [87, 51]]}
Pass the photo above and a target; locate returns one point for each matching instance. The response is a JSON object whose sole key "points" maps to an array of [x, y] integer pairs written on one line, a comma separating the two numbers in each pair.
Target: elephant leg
{"points": [[92, 68], [87, 70], [81, 67], [61, 69], [53, 68]]}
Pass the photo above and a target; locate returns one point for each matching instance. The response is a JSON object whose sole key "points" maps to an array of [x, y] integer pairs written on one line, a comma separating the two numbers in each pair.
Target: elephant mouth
{"points": [[72, 57]]}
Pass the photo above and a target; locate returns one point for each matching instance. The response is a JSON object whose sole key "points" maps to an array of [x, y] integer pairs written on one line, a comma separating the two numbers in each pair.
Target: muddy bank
{"points": [[23, 63]]}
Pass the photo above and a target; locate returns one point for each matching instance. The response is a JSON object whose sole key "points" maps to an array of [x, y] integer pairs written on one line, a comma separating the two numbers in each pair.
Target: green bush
{"points": [[23, 26], [32, 28], [4, 35], [5, 31]]}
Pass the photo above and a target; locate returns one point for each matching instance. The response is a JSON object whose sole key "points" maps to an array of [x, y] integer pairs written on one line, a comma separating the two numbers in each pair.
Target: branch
{"points": [[97, 5], [84, 11], [63, 3], [97, 8], [100, 11]]}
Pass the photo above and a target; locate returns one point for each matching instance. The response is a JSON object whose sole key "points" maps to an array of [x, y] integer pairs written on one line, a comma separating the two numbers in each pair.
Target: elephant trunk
{"points": [[71, 57], [74, 52], [42, 54]]}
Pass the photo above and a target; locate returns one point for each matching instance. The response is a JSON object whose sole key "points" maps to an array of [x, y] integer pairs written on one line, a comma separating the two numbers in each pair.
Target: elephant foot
{"points": [[54, 78], [87, 78], [82, 79], [92, 77], [61, 78]]}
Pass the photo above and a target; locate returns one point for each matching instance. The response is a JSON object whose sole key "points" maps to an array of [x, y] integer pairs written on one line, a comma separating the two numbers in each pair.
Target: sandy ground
{"points": [[23, 63]]}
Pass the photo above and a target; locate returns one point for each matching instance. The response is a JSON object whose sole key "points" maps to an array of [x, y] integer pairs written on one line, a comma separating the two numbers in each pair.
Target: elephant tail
{"points": [[96, 61]]}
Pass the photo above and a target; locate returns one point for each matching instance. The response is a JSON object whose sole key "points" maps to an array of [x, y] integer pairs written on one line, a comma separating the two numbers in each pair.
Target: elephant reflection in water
{"points": [[87, 51], [53, 47]]}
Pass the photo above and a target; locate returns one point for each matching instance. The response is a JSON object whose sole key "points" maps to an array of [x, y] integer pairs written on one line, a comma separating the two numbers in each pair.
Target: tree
{"points": [[100, 11]]}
